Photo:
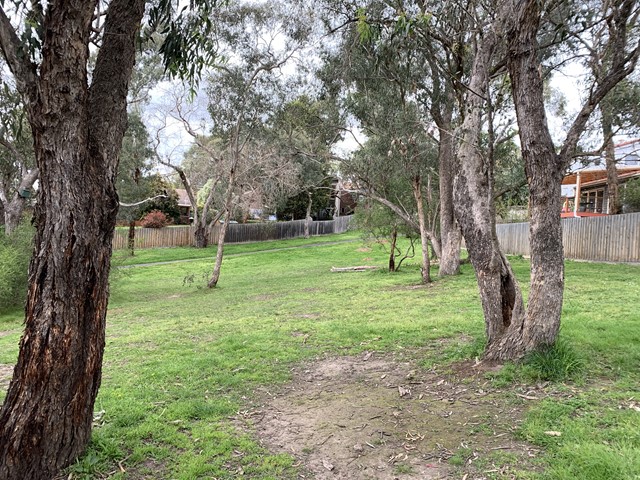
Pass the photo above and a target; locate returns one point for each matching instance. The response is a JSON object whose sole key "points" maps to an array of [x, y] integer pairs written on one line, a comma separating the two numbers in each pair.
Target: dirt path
{"points": [[380, 417]]}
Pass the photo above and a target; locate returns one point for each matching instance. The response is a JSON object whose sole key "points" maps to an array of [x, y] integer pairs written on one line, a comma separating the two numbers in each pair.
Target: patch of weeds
{"points": [[559, 362], [402, 468], [102, 453], [507, 375], [194, 279], [461, 456]]}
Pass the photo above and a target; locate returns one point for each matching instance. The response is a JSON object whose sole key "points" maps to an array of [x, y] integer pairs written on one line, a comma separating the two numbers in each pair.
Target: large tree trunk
{"points": [[424, 237], [450, 235], [541, 323], [201, 235], [45, 421], [511, 331], [474, 208]]}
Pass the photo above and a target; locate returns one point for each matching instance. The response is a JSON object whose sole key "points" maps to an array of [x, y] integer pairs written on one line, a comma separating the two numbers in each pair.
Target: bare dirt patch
{"points": [[381, 417]]}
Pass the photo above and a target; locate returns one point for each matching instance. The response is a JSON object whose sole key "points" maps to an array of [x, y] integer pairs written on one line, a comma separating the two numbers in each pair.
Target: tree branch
{"points": [[141, 201], [22, 68]]}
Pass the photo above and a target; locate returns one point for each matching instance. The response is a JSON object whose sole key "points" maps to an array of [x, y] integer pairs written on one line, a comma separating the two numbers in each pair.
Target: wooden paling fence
{"points": [[613, 238], [182, 236]]}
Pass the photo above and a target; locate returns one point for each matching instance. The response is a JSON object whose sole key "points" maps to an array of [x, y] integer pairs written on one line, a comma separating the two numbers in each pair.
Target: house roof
{"points": [[589, 176], [622, 176], [183, 198]]}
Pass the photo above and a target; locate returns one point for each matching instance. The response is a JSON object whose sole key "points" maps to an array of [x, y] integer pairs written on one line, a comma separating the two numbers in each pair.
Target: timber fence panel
{"points": [[182, 236], [612, 238]]}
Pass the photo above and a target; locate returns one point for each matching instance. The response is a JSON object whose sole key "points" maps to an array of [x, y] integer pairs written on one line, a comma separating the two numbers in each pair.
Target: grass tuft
{"points": [[559, 362]]}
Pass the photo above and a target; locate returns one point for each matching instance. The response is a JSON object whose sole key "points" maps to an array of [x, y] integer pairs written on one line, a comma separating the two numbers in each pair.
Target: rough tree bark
{"points": [[474, 207], [512, 331], [539, 325], [45, 421]]}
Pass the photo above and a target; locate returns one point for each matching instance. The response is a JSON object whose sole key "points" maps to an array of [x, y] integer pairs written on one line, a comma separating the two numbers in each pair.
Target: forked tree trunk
{"points": [[512, 332], [45, 421], [539, 325], [424, 237]]}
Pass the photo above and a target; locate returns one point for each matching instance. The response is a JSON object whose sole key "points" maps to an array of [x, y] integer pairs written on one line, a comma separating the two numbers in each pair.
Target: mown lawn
{"points": [[180, 359]]}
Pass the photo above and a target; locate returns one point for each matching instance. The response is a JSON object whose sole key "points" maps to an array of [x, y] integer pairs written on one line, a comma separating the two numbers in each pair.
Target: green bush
{"points": [[630, 195], [15, 253]]}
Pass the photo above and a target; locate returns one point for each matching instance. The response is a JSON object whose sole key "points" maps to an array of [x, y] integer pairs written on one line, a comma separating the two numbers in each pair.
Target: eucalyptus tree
{"points": [[511, 36], [381, 82], [397, 165], [245, 91], [514, 38], [78, 117], [417, 47]]}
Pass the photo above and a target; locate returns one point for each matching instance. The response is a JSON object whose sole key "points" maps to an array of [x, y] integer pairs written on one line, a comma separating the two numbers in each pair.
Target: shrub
{"points": [[15, 254], [154, 219], [630, 196]]}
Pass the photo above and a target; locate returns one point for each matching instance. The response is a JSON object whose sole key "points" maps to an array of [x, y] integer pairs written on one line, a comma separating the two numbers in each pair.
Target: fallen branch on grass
{"points": [[360, 268]]}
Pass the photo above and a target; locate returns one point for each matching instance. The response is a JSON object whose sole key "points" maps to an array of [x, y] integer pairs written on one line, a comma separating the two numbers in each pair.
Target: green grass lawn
{"points": [[180, 359]]}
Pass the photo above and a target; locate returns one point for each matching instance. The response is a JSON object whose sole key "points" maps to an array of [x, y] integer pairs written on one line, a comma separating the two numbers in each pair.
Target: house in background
{"points": [[589, 182], [184, 206]]}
